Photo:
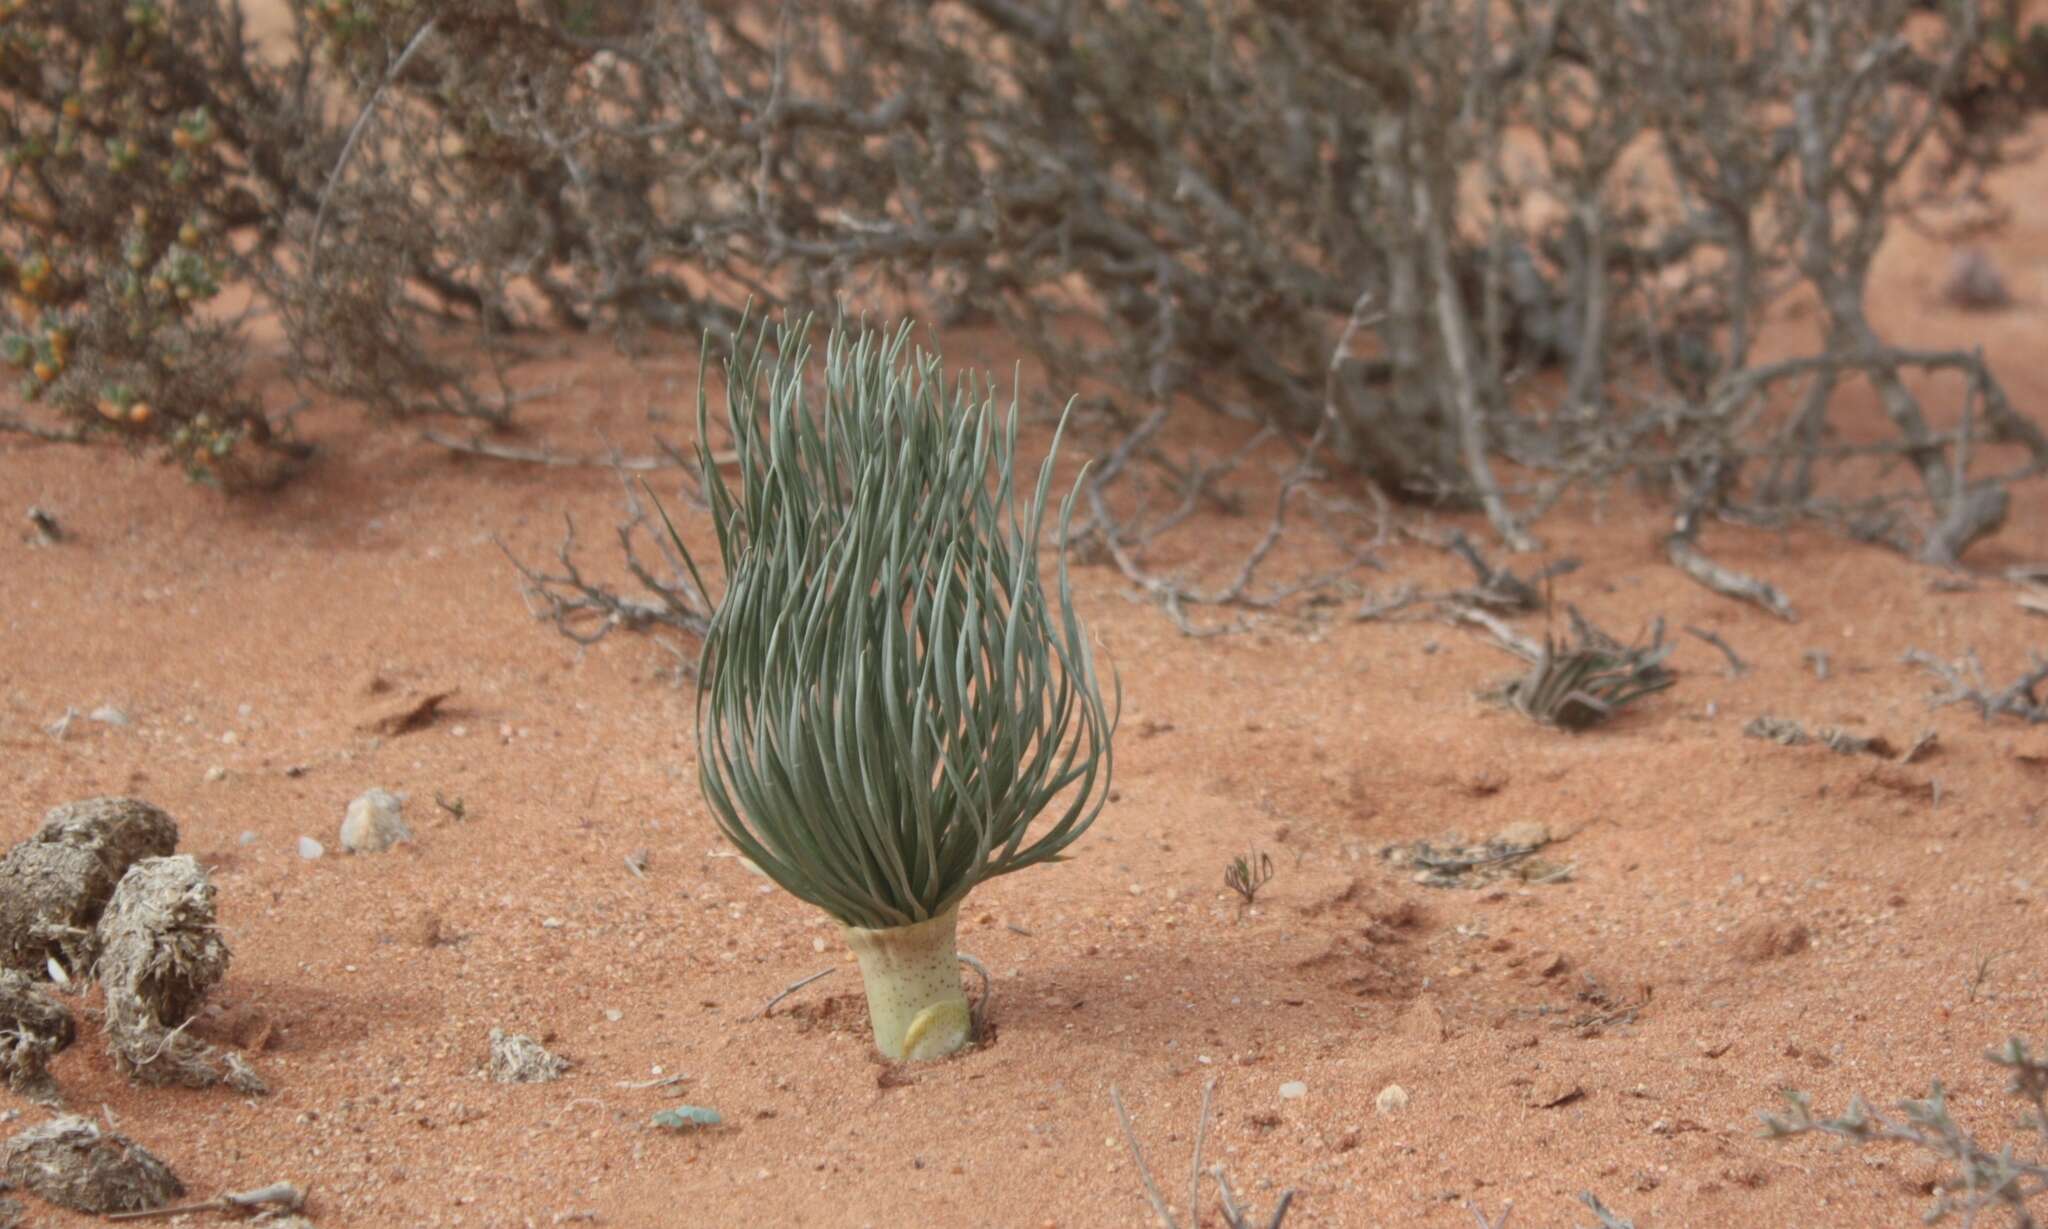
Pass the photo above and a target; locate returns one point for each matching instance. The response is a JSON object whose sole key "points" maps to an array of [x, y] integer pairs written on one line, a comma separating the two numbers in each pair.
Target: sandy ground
{"points": [[1614, 1032]]}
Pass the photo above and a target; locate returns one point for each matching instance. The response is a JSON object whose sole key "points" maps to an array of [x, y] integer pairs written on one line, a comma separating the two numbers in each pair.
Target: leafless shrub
{"points": [[1479, 252]]}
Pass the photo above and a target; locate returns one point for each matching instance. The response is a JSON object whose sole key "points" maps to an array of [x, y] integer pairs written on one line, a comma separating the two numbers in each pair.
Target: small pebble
{"points": [[247, 838], [1293, 1090], [107, 714], [1392, 1099], [230, 738], [309, 849], [216, 774], [614, 1014]]}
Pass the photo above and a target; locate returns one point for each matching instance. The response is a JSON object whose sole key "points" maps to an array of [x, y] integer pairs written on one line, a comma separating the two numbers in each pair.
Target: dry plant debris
{"points": [[275, 1205], [1789, 732], [1963, 683], [161, 951], [1455, 863], [33, 1026], [1985, 1178], [75, 1163], [519, 1059], [1234, 1216]]}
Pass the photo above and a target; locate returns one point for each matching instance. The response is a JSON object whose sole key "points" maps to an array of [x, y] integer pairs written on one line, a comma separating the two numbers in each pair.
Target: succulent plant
{"points": [[888, 694]]}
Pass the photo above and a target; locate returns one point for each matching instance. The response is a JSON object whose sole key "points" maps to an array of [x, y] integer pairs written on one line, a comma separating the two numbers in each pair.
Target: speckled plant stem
{"points": [[912, 975]]}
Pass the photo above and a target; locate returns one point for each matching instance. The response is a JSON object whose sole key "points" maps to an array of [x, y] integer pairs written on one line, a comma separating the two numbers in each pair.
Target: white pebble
{"points": [[1293, 1090], [216, 774], [247, 837], [310, 849], [1392, 1099]]}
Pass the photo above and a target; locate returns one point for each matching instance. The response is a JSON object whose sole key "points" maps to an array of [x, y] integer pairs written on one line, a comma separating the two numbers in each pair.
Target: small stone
{"points": [[1771, 939], [425, 929], [1423, 1021], [1392, 1099], [310, 849], [107, 714], [1528, 832], [1974, 283], [247, 838], [614, 1014], [374, 823], [230, 738], [1551, 1091], [1293, 1090], [216, 774]]}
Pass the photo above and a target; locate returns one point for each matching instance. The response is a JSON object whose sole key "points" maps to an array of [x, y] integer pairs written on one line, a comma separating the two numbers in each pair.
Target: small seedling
{"points": [[1247, 873], [1582, 684]]}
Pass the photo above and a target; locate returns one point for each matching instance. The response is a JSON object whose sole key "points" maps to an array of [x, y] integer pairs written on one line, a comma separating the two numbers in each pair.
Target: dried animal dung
{"points": [[75, 1163], [119, 831], [519, 1059], [54, 885], [160, 953], [33, 1026], [51, 897]]}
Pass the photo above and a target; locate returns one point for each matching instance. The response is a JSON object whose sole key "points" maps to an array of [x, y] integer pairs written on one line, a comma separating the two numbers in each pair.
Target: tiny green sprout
{"points": [[1247, 873], [888, 694]]}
